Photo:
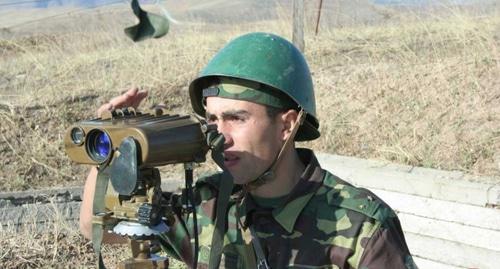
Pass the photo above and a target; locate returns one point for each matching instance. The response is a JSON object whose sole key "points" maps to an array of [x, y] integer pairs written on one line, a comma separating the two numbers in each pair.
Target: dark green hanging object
{"points": [[150, 25]]}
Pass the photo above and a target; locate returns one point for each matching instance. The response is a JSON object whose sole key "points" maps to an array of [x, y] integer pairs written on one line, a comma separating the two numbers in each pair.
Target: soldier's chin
{"points": [[239, 179]]}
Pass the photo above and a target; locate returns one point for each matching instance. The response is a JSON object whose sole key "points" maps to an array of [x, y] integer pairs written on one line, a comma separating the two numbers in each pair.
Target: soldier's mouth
{"points": [[230, 159]]}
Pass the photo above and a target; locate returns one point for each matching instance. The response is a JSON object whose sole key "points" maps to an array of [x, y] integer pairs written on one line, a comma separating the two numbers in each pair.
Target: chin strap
{"points": [[270, 173]]}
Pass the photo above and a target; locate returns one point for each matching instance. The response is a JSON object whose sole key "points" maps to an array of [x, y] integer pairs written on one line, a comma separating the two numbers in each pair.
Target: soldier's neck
{"points": [[288, 172]]}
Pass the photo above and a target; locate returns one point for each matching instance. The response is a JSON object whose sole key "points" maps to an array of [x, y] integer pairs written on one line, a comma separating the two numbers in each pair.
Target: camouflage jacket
{"points": [[324, 223]]}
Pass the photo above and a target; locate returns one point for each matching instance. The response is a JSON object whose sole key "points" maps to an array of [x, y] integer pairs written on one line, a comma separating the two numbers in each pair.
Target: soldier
{"points": [[285, 211]]}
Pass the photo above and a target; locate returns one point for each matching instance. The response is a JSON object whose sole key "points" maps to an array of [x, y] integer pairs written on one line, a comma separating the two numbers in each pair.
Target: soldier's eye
{"points": [[237, 118], [211, 118]]}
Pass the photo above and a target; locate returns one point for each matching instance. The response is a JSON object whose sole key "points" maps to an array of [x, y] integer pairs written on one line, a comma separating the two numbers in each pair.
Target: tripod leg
{"points": [[141, 253]]}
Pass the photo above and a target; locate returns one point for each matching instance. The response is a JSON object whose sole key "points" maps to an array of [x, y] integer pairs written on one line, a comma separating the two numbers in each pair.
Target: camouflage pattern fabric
{"points": [[323, 223], [240, 89]]}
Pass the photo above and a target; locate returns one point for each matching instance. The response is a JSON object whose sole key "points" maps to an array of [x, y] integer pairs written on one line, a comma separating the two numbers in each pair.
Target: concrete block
{"points": [[444, 185], [39, 214], [494, 196], [452, 253], [451, 212], [450, 231], [423, 263]]}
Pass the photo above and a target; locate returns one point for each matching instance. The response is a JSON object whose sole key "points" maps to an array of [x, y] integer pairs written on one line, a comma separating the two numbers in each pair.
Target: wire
{"points": [[157, 2], [22, 2], [165, 12], [62, 14], [191, 207]]}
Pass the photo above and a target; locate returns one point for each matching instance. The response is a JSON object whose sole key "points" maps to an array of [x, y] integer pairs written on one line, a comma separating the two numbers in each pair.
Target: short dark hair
{"points": [[272, 112]]}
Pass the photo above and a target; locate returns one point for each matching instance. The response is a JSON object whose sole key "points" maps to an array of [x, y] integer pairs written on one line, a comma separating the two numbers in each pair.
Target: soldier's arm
{"points": [[86, 211], [86, 206], [178, 241], [387, 249]]}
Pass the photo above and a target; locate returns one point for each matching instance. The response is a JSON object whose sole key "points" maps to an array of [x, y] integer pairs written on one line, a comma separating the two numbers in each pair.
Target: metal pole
{"points": [[298, 24], [319, 16]]}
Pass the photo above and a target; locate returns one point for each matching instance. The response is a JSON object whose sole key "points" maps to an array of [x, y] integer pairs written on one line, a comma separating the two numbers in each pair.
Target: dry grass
{"points": [[57, 245], [422, 93], [418, 92], [32, 248]]}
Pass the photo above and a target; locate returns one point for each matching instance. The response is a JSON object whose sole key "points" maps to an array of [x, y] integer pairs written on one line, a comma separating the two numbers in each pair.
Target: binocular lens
{"points": [[77, 135], [98, 145]]}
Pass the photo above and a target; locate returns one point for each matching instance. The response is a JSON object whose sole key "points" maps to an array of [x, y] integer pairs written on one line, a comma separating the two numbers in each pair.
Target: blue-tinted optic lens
{"points": [[102, 145], [98, 145]]}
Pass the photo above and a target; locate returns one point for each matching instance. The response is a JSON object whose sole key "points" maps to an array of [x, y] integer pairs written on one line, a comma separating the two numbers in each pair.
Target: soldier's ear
{"points": [[289, 118]]}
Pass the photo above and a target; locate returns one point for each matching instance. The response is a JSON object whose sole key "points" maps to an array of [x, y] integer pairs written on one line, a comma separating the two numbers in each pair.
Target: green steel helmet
{"points": [[272, 62]]}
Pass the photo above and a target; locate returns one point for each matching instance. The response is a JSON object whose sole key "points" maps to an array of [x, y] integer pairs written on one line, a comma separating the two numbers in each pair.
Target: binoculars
{"points": [[162, 139], [127, 146]]}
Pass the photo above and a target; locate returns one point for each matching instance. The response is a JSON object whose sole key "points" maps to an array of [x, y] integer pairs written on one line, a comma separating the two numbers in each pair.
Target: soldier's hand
{"points": [[131, 98]]}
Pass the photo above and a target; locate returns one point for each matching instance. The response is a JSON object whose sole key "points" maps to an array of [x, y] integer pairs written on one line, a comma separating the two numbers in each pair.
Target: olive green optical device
{"points": [[127, 146]]}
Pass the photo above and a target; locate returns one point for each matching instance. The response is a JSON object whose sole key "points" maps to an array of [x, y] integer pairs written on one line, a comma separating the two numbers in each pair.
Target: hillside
{"points": [[423, 92]]}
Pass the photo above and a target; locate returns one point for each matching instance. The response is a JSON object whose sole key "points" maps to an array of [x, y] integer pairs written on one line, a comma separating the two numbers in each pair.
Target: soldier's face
{"points": [[252, 138]]}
